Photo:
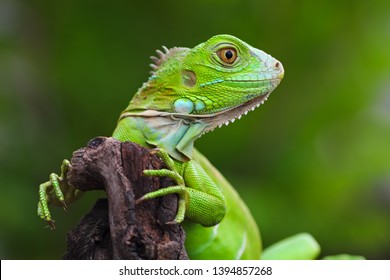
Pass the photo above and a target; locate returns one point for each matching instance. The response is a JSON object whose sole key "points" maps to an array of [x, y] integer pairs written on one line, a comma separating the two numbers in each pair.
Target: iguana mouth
{"points": [[229, 115]]}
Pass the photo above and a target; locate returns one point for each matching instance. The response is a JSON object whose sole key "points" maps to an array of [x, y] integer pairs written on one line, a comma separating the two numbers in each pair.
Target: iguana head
{"points": [[207, 86]]}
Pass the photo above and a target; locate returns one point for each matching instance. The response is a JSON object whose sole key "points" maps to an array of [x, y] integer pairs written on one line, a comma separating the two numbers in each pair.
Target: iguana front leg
{"points": [[200, 199], [56, 191]]}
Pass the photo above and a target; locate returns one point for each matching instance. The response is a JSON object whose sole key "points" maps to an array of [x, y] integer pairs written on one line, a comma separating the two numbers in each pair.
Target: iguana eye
{"points": [[227, 55]]}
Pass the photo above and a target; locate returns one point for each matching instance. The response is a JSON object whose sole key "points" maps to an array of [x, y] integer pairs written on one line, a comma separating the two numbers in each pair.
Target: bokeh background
{"points": [[314, 158]]}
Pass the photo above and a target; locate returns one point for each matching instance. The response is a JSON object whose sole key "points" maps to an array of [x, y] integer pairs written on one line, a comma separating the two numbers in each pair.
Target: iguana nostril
{"points": [[278, 66]]}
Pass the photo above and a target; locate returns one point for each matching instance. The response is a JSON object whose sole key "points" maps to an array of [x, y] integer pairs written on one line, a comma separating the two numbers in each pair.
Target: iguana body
{"points": [[191, 92]]}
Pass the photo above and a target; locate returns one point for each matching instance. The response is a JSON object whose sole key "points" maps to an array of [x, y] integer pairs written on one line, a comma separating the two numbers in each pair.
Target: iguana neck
{"points": [[176, 133]]}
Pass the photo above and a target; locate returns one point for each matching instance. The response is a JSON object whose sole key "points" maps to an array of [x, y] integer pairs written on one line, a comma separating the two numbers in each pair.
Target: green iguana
{"points": [[192, 92]]}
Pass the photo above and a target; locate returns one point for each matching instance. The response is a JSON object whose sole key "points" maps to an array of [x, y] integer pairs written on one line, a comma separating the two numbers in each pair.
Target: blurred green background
{"points": [[314, 158]]}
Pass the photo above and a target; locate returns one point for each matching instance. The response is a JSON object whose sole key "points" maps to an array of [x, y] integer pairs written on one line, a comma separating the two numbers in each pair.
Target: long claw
{"points": [[51, 224], [139, 200], [154, 151], [65, 206]]}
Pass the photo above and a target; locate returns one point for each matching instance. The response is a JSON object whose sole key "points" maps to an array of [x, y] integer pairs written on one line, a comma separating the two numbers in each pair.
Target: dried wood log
{"points": [[116, 228]]}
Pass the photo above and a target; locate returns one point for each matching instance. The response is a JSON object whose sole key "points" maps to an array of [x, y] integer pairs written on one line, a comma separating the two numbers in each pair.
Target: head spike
{"points": [[165, 49], [163, 56], [154, 59], [160, 54]]}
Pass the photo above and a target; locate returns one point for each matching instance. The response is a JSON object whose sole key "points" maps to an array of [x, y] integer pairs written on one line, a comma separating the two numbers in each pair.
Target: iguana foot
{"points": [[55, 191], [179, 189]]}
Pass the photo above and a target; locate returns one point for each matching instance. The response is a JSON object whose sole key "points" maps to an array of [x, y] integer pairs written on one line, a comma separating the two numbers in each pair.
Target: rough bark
{"points": [[117, 228]]}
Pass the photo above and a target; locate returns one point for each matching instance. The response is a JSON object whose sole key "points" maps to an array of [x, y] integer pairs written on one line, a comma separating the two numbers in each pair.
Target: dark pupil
{"points": [[229, 54]]}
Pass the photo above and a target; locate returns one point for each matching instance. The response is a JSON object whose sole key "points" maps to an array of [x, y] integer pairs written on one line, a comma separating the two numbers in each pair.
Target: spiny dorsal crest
{"points": [[163, 56]]}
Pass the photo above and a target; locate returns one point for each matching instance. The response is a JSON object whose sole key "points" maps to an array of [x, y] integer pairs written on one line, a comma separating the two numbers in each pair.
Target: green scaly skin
{"points": [[191, 92]]}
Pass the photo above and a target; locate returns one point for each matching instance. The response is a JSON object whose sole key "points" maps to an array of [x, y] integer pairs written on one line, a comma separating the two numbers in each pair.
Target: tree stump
{"points": [[117, 228]]}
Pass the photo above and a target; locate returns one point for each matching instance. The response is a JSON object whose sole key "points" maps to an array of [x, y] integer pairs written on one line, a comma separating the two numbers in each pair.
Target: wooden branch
{"points": [[116, 228]]}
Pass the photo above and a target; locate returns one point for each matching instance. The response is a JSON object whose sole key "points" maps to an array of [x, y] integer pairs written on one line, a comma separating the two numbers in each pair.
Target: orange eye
{"points": [[227, 55]]}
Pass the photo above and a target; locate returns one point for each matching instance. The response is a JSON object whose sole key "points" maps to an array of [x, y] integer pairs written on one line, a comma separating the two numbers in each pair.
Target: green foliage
{"points": [[314, 158]]}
